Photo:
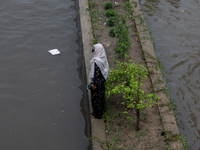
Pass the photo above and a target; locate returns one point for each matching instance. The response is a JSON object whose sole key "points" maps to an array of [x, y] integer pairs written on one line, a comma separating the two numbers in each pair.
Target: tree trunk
{"points": [[138, 120], [137, 110]]}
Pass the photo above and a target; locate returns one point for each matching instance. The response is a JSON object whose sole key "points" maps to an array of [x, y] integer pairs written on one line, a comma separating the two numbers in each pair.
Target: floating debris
{"points": [[54, 52]]}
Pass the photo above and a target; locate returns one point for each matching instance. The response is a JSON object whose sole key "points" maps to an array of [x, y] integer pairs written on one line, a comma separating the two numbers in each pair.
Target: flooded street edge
{"points": [[167, 115]]}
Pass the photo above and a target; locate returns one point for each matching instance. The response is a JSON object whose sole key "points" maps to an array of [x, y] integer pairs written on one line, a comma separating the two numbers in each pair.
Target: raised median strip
{"points": [[168, 120]]}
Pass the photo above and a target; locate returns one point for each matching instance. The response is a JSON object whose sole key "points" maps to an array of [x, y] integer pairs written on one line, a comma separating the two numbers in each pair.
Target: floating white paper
{"points": [[54, 52]]}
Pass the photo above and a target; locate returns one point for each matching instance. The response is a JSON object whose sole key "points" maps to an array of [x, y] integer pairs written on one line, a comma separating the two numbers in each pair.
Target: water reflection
{"points": [[175, 3], [150, 6]]}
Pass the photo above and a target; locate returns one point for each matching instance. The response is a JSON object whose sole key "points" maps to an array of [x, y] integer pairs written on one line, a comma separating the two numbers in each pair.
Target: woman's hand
{"points": [[93, 87]]}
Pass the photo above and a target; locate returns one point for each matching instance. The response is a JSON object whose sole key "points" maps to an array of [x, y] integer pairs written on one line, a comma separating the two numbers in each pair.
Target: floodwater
{"points": [[176, 26], [42, 98]]}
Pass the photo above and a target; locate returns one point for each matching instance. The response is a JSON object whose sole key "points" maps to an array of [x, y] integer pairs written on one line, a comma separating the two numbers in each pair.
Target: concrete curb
{"points": [[97, 125], [168, 119]]}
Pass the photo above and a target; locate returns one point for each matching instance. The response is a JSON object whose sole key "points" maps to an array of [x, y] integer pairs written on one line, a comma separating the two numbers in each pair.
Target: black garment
{"points": [[97, 95]]}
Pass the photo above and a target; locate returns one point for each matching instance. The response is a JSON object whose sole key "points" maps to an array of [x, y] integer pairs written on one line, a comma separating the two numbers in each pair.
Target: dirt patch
{"points": [[120, 131]]}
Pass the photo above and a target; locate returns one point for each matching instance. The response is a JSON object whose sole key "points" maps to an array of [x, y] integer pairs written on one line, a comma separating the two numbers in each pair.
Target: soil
{"points": [[120, 132]]}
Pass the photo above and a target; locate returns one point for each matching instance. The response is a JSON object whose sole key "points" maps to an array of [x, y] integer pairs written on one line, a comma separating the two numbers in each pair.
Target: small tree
{"points": [[127, 79]]}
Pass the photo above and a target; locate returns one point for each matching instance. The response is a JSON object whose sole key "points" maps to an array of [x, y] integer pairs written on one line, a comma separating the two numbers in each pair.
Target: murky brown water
{"points": [[42, 101], [176, 25]]}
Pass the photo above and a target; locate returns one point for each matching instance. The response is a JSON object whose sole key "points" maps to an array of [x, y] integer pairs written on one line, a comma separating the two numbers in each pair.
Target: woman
{"points": [[98, 75]]}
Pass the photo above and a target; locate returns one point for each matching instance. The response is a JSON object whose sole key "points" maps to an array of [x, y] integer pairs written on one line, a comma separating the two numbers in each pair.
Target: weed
{"points": [[109, 63], [92, 3], [184, 141], [148, 29], [124, 117], [95, 40], [101, 14], [121, 147], [111, 144], [142, 20], [125, 138], [173, 105], [129, 125], [174, 137], [93, 138], [123, 19], [141, 133], [93, 15], [97, 27], [153, 41], [136, 4], [116, 115], [112, 128], [128, 8]]}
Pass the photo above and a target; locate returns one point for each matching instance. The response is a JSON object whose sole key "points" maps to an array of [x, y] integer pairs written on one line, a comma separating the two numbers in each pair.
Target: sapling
{"points": [[127, 79]]}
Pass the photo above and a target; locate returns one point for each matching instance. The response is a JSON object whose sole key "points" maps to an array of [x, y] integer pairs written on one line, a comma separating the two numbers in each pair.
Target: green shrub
{"points": [[110, 12], [113, 31], [108, 5], [124, 40], [111, 21]]}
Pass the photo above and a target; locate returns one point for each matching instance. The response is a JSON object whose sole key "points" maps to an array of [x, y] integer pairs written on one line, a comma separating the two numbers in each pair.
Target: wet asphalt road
{"points": [[175, 24]]}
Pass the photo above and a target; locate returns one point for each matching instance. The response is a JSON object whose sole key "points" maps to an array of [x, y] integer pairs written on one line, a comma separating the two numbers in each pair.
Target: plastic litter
{"points": [[54, 52]]}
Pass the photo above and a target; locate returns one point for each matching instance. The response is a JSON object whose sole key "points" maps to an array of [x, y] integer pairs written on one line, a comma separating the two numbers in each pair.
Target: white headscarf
{"points": [[100, 59]]}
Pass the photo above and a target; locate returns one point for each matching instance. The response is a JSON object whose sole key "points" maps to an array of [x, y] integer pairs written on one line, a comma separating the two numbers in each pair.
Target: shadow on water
{"points": [[82, 75], [175, 24]]}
